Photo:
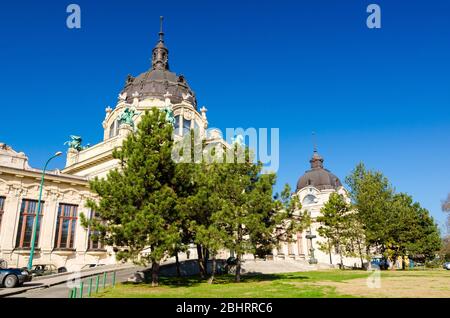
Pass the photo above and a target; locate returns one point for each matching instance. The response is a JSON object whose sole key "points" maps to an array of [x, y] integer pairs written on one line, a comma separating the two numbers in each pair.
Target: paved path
{"points": [[59, 286]]}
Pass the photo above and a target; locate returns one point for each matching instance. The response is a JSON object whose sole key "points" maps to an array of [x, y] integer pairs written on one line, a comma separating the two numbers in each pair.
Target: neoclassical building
{"points": [[61, 240], [313, 189]]}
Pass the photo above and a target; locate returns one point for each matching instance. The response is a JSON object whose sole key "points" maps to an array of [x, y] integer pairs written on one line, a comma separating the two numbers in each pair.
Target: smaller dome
{"points": [[318, 176]]}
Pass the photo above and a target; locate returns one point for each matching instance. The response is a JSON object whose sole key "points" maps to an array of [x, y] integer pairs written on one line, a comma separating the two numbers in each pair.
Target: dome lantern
{"points": [[159, 80], [160, 54]]}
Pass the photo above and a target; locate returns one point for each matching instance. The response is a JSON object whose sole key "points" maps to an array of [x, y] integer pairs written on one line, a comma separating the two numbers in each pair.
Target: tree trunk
{"points": [[205, 260], [329, 252], [177, 261], [360, 254], [200, 261], [211, 279], [155, 274], [238, 268]]}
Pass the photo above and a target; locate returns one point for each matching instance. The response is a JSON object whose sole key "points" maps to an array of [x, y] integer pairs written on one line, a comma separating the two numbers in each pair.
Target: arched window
{"points": [[114, 129], [309, 199]]}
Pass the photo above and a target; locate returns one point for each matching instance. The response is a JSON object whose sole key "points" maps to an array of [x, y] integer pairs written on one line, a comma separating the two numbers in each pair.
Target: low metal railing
{"points": [[79, 292]]}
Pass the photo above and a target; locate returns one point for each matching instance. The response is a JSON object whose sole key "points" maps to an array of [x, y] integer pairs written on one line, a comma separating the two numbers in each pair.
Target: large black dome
{"points": [[159, 80], [318, 176], [156, 83]]}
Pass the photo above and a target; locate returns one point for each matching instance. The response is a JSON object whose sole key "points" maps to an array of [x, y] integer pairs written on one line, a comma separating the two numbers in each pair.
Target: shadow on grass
{"points": [[225, 279]]}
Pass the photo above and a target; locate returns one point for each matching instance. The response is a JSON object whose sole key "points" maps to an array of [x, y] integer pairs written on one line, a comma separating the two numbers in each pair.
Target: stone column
{"points": [[300, 244], [72, 157], [81, 233], [10, 222], [48, 223], [124, 130]]}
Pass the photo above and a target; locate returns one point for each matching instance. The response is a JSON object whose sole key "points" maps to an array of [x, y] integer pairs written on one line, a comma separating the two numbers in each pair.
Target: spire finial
{"points": [[161, 33], [316, 160], [314, 141]]}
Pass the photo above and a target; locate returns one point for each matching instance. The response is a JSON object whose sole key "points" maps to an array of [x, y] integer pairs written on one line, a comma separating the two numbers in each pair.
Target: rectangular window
{"points": [[2, 208], [65, 226], [177, 125], [114, 129], [186, 127], [94, 243], [28, 211]]}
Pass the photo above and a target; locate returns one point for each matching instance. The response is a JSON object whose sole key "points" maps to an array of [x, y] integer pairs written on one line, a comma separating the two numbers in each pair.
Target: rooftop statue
{"points": [[169, 115], [75, 143], [127, 116]]}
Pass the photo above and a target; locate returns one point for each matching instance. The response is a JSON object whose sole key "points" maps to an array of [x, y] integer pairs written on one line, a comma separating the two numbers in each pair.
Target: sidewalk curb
{"points": [[45, 286]]}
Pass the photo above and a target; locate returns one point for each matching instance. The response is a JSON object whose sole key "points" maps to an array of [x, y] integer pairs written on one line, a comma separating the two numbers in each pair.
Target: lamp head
{"points": [[59, 153]]}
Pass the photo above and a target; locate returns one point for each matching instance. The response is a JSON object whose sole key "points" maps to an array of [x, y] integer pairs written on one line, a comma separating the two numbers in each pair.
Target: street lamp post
{"points": [[33, 236], [310, 237]]}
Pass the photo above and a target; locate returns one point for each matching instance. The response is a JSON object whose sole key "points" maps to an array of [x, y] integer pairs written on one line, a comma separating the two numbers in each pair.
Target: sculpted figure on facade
{"points": [[75, 143], [170, 117], [127, 116]]}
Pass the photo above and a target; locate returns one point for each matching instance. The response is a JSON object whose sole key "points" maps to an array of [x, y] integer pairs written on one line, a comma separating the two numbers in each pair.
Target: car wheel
{"points": [[10, 281]]}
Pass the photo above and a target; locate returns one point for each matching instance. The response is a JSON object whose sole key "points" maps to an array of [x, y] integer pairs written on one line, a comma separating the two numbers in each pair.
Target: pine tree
{"points": [[136, 205], [392, 223], [335, 222], [249, 215], [372, 195]]}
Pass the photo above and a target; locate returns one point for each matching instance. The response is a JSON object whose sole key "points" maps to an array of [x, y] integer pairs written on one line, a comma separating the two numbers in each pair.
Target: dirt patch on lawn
{"points": [[394, 287]]}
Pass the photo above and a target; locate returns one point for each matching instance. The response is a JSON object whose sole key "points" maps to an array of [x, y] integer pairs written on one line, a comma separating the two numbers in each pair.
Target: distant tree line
{"points": [[377, 221], [152, 208]]}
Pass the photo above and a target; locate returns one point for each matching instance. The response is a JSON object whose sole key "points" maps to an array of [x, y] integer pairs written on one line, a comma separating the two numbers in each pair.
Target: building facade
{"points": [[61, 239], [313, 189]]}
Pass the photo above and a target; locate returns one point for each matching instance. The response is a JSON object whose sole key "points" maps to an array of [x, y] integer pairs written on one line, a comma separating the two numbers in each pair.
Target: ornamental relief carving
{"points": [[188, 115]]}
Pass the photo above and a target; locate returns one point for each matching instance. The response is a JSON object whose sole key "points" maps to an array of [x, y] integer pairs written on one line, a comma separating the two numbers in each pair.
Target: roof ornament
{"points": [[123, 96], [186, 96], [126, 117], [75, 143], [314, 141], [161, 33], [316, 160], [160, 54], [167, 101]]}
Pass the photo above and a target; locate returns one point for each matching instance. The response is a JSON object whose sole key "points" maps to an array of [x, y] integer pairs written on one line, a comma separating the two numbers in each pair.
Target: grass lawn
{"points": [[316, 284]]}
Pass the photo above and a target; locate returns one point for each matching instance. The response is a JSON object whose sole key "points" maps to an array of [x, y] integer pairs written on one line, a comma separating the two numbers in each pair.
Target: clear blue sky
{"points": [[377, 96]]}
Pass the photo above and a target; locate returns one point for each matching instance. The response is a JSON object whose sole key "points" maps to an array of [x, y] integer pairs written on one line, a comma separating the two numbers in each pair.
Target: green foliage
{"points": [[444, 253], [151, 207], [340, 227], [392, 223], [136, 206]]}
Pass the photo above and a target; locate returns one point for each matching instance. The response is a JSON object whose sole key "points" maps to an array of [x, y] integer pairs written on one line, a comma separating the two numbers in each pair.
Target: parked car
{"points": [[46, 269], [381, 263], [13, 277], [447, 265], [91, 266]]}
